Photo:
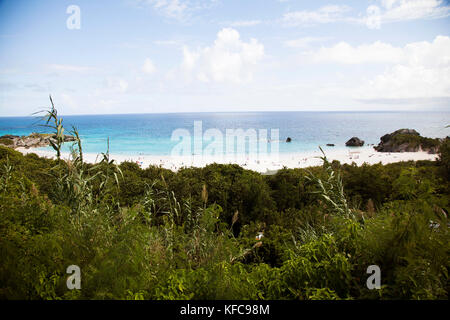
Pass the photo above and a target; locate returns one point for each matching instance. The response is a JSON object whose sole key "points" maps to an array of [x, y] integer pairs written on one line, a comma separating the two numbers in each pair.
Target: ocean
{"points": [[150, 134]]}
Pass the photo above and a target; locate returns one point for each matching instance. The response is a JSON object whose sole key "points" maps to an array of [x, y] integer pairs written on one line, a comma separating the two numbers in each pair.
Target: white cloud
{"points": [[388, 3], [325, 14], [404, 10], [373, 18], [148, 66], [427, 54], [168, 8], [416, 74], [177, 9], [67, 68], [167, 42], [229, 59], [423, 73], [406, 82], [245, 23], [377, 52], [383, 11], [117, 84], [303, 42]]}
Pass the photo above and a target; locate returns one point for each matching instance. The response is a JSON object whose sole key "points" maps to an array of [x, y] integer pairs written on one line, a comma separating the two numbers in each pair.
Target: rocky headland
{"points": [[34, 140], [407, 140]]}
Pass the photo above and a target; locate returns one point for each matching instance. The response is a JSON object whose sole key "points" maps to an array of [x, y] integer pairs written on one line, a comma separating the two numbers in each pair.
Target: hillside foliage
{"points": [[156, 234]]}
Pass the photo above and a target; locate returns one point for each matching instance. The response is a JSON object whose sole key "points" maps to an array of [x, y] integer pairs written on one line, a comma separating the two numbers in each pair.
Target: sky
{"points": [[160, 56]]}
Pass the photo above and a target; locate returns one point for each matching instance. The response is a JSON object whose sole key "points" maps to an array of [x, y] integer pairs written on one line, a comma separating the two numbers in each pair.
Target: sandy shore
{"points": [[257, 163]]}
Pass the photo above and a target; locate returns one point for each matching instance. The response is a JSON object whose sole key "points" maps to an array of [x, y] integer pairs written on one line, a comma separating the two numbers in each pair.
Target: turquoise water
{"points": [[151, 133]]}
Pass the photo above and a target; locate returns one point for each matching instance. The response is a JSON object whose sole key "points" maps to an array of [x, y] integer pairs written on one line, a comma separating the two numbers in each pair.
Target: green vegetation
{"points": [[155, 234], [415, 141], [6, 142]]}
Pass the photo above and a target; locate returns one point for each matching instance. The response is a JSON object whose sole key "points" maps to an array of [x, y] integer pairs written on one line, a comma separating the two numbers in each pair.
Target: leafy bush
{"points": [[221, 232], [6, 142]]}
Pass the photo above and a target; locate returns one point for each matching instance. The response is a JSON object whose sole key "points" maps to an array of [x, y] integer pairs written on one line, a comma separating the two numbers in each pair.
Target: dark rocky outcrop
{"points": [[354, 142], [34, 140], [407, 140]]}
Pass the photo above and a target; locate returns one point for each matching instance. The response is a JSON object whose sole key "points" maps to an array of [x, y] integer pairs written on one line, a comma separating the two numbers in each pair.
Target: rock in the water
{"points": [[288, 139], [354, 142], [406, 140]]}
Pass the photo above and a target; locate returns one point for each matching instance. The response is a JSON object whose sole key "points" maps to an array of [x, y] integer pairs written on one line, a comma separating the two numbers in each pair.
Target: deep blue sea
{"points": [[151, 134]]}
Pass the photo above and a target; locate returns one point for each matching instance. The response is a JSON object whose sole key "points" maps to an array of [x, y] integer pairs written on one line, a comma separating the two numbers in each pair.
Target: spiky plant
{"points": [[74, 184], [331, 189], [77, 143], [54, 122], [109, 170]]}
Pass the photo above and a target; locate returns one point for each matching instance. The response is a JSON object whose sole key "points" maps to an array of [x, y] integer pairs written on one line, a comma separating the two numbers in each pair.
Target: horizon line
{"points": [[245, 111]]}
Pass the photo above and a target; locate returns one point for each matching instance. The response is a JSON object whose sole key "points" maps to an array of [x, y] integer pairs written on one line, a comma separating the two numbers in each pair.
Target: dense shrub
{"points": [[156, 234]]}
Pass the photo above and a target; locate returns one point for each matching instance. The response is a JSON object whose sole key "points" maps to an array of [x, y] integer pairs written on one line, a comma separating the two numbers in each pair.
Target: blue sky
{"points": [[141, 56]]}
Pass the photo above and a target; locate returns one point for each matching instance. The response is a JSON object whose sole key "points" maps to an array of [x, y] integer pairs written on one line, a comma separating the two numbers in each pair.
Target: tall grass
{"points": [[331, 188]]}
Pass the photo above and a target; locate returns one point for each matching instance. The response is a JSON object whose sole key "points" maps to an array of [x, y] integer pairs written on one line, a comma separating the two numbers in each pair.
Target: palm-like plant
{"points": [[54, 122], [74, 184]]}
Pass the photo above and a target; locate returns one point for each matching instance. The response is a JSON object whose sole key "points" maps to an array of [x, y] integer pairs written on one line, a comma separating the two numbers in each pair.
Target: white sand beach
{"points": [[261, 164]]}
